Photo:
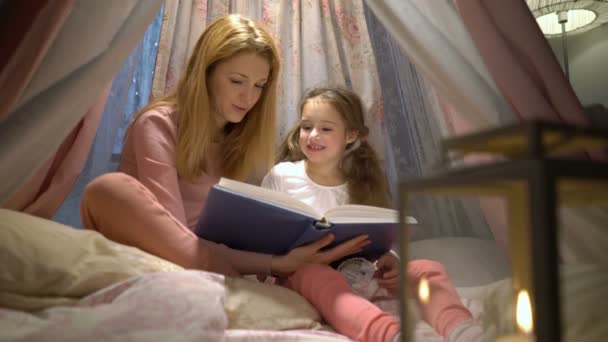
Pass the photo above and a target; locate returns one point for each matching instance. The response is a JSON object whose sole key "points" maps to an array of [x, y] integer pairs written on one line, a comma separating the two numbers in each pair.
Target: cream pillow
{"points": [[253, 305], [45, 263]]}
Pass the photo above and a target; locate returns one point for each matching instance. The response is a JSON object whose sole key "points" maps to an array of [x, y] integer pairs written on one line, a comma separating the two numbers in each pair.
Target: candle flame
{"points": [[424, 290], [524, 312]]}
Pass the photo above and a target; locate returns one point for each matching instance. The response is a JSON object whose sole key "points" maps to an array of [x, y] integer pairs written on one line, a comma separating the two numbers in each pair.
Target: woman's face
{"points": [[236, 85]]}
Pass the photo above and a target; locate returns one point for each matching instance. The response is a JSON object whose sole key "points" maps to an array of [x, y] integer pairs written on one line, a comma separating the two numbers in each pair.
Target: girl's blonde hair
{"points": [[360, 166], [249, 144]]}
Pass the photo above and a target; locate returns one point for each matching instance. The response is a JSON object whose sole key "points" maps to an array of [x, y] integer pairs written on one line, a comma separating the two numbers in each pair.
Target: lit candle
{"points": [[424, 292], [523, 316]]}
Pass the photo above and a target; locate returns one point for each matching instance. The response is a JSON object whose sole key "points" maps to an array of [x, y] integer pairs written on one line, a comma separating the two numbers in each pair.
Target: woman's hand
{"points": [[219, 264], [285, 265], [388, 271]]}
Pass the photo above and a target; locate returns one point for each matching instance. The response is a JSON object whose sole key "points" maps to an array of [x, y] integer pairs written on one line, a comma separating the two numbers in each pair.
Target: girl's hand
{"points": [[388, 271], [283, 266]]}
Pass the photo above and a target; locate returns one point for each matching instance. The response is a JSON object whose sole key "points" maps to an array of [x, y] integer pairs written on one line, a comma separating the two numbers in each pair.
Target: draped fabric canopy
{"points": [[415, 126], [130, 90], [436, 40], [524, 72], [58, 83]]}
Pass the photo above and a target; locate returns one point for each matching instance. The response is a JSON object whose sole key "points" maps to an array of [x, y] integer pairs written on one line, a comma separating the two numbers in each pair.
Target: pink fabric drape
{"points": [[47, 189], [494, 209], [526, 72], [69, 100], [26, 38], [520, 60]]}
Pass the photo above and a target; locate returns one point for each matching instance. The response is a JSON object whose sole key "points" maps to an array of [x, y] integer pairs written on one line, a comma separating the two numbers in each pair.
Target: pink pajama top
{"points": [[149, 155]]}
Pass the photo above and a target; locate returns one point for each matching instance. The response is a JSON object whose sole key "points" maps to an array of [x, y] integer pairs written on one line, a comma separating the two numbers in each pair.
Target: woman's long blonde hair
{"points": [[248, 146], [360, 166]]}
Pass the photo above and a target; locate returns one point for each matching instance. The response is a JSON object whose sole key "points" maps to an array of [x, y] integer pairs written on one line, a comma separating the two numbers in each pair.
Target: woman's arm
{"points": [[243, 262], [153, 142], [314, 253], [154, 146]]}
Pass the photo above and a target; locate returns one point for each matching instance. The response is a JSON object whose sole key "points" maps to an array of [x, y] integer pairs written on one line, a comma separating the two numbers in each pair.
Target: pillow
{"points": [[253, 305], [45, 263]]}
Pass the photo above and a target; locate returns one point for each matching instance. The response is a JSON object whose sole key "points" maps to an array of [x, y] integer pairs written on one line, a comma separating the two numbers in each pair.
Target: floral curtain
{"points": [[320, 41]]}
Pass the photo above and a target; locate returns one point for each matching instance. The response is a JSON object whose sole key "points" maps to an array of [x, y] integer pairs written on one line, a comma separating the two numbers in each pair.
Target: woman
{"points": [[219, 121]]}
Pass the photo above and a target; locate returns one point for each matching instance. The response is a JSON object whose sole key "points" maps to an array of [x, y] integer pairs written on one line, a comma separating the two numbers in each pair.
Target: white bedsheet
{"points": [[187, 305], [162, 306], [153, 307]]}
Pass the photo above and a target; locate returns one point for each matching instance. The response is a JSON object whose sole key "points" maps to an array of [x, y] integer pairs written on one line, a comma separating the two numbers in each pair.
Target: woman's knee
{"points": [[107, 186]]}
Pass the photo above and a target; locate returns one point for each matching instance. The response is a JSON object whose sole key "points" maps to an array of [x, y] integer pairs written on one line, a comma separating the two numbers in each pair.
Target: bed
{"points": [[61, 283]]}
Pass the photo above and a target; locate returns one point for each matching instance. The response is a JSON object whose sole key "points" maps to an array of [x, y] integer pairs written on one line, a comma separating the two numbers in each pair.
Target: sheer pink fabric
{"points": [[526, 72], [35, 26], [47, 189], [56, 91], [520, 60]]}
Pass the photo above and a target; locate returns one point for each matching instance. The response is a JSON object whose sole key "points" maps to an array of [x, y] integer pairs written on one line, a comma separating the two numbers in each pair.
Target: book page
{"points": [[269, 196], [362, 213]]}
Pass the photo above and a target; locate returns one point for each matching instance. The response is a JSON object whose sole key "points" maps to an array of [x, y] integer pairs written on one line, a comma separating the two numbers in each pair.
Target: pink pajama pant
{"points": [[361, 320], [124, 210]]}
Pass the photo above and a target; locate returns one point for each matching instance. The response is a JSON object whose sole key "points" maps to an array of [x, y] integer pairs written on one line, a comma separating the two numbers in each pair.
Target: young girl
{"points": [[330, 163], [219, 121]]}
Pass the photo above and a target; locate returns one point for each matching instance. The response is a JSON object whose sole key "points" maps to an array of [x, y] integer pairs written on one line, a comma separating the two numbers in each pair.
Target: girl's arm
{"points": [[388, 266], [271, 181]]}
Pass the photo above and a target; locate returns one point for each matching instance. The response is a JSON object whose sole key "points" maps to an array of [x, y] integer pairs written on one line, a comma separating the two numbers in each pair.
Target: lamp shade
{"points": [[579, 16]]}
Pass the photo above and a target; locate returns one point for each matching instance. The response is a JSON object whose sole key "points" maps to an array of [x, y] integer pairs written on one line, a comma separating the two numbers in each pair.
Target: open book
{"points": [[252, 218]]}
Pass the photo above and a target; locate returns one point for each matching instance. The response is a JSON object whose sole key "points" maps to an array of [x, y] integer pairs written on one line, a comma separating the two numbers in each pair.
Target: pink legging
{"points": [[361, 320]]}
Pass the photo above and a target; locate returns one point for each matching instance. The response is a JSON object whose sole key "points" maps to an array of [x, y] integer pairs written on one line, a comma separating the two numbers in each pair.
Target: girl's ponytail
{"points": [[367, 183]]}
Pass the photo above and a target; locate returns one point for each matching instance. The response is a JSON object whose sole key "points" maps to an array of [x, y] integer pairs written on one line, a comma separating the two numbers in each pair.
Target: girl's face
{"points": [[236, 85], [323, 134]]}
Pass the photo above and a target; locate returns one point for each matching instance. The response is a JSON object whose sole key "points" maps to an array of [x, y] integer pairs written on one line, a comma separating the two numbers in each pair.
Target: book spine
{"points": [[323, 224]]}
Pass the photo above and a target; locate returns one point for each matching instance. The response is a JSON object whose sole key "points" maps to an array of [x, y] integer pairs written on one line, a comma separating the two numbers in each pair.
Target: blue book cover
{"points": [[251, 218]]}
